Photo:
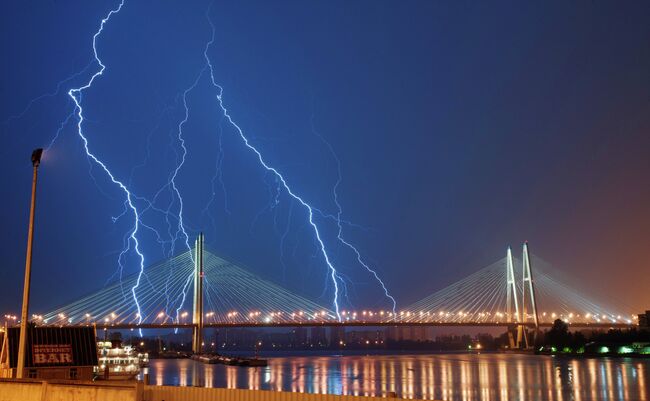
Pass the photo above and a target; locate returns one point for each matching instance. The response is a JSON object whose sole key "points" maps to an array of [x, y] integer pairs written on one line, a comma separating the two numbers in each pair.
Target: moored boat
{"points": [[117, 362]]}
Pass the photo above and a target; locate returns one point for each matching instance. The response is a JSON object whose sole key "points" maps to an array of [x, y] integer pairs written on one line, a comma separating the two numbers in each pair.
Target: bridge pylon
{"points": [[527, 286], [197, 306], [511, 293], [512, 316]]}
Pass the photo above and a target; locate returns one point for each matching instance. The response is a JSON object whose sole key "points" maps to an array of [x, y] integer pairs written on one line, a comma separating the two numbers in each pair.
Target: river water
{"points": [[439, 376]]}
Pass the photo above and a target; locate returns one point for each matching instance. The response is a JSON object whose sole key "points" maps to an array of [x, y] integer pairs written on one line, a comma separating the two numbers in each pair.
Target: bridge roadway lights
{"points": [[518, 323], [356, 324]]}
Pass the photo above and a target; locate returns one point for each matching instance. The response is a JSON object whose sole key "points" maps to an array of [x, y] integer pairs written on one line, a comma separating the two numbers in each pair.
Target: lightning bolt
{"points": [[283, 238], [58, 131], [131, 238], [339, 221], [75, 94], [171, 184], [218, 176], [282, 183], [180, 233], [181, 228], [56, 91]]}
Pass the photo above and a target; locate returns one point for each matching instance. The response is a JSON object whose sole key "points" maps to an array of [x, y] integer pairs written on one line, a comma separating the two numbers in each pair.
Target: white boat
{"points": [[118, 363]]}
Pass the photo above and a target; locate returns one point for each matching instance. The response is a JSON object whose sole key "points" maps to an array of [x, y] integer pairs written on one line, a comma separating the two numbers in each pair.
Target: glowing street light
{"points": [[22, 345]]}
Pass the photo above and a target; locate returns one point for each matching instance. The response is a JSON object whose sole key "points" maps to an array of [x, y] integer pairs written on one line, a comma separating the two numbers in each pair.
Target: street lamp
{"points": [[36, 161]]}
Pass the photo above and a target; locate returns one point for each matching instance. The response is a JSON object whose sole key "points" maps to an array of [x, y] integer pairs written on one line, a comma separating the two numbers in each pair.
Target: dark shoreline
{"points": [[574, 355], [406, 352]]}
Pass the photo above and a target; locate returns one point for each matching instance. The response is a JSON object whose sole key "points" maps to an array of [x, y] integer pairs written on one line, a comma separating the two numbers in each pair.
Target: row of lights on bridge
{"points": [[363, 316]]}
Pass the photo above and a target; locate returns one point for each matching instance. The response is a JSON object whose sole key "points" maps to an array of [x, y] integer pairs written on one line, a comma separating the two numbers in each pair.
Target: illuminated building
{"points": [[53, 353]]}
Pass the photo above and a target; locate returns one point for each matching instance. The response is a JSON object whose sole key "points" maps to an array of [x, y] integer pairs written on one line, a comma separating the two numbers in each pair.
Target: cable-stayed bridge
{"points": [[510, 292], [230, 294]]}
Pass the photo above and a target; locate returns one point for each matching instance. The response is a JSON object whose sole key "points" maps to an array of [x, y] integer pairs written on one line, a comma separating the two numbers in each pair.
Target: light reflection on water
{"points": [[446, 376]]}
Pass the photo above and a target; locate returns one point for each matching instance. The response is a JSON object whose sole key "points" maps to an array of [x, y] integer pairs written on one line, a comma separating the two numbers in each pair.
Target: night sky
{"points": [[461, 128]]}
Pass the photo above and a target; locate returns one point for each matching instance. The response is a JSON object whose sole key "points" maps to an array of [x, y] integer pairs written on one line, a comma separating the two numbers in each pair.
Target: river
{"points": [[459, 376]]}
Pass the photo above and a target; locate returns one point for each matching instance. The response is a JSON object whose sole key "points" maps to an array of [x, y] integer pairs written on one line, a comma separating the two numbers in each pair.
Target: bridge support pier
{"points": [[511, 292], [197, 315], [522, 335], [519, 320]]}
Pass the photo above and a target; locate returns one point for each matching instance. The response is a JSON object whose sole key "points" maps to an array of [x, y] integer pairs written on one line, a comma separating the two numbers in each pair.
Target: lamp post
{"points": [[36, 161]]}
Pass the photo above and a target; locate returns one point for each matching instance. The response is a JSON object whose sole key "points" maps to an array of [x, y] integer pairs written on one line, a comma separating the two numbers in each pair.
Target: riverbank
{"points": [[599, 350]]}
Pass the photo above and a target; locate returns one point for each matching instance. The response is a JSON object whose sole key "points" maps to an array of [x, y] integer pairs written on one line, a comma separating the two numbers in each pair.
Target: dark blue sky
{"points": [[460, 128]]}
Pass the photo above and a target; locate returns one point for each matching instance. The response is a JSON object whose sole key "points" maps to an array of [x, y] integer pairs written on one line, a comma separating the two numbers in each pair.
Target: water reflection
{"points": [[463, 377]]}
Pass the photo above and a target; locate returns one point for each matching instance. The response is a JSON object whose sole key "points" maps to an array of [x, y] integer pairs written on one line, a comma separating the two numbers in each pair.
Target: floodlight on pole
{"points": [[22, 345]]}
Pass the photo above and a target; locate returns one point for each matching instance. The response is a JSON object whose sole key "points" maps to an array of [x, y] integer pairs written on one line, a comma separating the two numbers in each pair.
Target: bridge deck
{"points": [[118, 326]]}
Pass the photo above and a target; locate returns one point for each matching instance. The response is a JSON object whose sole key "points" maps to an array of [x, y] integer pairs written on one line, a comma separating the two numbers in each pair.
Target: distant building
{"points": [[644, 319], [337, 335], [298, 337], [409, 333], [51, 353], [364, 337], [318, 336]]}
